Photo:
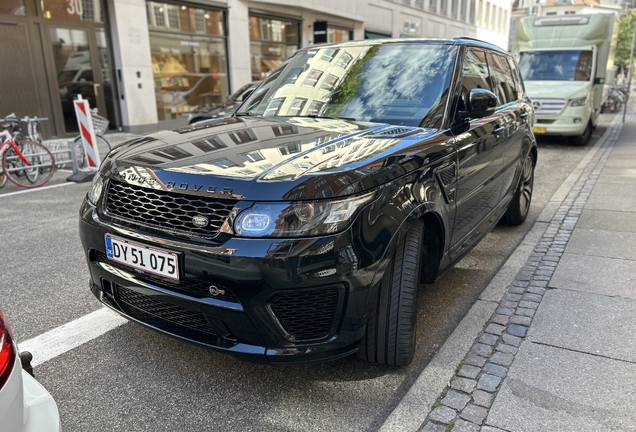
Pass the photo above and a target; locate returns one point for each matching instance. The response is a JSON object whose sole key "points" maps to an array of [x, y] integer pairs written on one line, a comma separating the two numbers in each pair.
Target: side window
{"points": [[502, 77], [475, 74], [515, 74]]}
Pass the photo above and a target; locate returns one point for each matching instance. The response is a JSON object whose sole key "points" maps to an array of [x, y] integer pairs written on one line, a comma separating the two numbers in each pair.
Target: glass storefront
{"points": [[335, 34], [189, 59], [272, 41], [73, 10]]}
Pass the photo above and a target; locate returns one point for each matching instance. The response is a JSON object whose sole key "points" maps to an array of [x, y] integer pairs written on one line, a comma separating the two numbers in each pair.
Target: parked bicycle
{"points": [[100, 125], [616, 98], [25, 162]]}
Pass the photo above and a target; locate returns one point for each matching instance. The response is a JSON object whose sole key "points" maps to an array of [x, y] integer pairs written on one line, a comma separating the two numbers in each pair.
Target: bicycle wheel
{"points": [[31, 159], [102, 146], [3, 180]]}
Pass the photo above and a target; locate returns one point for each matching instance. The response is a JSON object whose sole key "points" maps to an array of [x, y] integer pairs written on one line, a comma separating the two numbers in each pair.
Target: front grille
{"points": [[166, 211], [166, 311], [548, 106], [199, 289], [306, 315]]}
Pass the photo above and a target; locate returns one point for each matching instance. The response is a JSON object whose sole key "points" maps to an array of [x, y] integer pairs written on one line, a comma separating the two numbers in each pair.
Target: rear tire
{"points": [[520, 204], [41, 162], [391, 329]]}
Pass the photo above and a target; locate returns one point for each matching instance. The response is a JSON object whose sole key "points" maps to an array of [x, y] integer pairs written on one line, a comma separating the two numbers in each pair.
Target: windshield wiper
{"points": [[243, 114]]}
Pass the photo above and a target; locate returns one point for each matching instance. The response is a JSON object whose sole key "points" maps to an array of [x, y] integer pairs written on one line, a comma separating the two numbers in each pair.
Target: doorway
{"points": [[80, 67]]}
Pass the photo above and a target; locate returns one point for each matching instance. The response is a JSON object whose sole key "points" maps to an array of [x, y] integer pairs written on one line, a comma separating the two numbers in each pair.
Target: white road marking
{"points": [[36, 189], [71, 335]]}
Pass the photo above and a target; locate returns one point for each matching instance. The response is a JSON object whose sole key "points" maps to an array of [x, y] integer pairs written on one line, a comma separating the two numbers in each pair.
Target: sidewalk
{"points": [[559, 351]]}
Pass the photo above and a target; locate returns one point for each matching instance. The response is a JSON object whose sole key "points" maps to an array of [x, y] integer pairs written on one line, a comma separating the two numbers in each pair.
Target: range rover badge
{"points": [[216, 291], [200, 221]]}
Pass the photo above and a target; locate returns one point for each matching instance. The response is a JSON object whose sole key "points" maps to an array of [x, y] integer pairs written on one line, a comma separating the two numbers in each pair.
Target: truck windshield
{"points": [[566, 65], [404, 84]]}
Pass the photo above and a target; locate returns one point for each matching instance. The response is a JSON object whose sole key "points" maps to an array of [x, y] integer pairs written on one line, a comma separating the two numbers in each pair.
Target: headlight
{"points": [[95, 192], [299, 219], [578, 101]]}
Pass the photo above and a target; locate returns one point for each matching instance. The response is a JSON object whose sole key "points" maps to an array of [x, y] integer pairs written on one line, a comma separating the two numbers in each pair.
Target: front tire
{"points": [[585, 137], [520, 204], [391, 329]]}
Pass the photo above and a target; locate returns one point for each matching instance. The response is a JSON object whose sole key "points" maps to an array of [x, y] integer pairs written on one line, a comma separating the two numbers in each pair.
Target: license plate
{"points": [[539, 129], [143, 258]]}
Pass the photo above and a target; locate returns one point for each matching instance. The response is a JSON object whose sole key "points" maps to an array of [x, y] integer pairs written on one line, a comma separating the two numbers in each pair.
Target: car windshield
{"points": [[405, 84], [566, 65]]}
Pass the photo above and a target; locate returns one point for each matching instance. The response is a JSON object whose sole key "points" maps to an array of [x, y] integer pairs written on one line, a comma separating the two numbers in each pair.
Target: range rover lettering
{"points": [[300, 228]]}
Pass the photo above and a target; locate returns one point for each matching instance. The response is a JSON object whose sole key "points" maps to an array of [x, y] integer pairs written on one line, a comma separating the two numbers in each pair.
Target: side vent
{"points": [[396, 132], [447, 174], [446, 177]]}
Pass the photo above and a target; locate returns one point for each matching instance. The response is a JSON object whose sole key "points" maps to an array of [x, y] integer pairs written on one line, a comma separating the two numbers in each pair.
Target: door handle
{"points": [[96, 89]]}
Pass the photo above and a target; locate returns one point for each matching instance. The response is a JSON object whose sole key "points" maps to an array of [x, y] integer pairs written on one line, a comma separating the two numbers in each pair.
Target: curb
{"points": [[501, 337]]}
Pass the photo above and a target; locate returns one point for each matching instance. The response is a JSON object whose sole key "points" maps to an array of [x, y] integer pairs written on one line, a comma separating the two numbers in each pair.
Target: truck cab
{"points": [[564, 62]]}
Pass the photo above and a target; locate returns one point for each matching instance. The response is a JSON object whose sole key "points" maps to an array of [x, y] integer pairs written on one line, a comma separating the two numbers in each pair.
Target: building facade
{"points": [[145, 64]]}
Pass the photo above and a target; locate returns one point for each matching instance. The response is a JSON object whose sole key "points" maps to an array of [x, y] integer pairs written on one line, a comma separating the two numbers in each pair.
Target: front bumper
{"points": [[276, 301], [571, 122]]}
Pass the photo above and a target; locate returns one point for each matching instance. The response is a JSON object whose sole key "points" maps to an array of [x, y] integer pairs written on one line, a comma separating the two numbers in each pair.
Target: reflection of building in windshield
{"points": [[557, 65], [306, 91]]}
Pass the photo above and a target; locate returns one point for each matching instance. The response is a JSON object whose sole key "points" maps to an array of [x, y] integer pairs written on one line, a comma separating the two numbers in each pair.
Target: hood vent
{"points": [[396, 132]]}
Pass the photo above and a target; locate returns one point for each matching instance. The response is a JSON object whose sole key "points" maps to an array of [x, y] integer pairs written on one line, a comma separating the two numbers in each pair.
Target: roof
{"points": [[459, 40]]}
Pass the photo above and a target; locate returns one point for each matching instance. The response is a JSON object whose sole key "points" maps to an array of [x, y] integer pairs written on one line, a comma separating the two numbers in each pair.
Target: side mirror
{"points": [[599, 81], [481, 103]]}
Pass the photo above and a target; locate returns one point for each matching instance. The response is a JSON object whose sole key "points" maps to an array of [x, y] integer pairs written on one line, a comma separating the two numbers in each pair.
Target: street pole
{"points": [[631, 72]]}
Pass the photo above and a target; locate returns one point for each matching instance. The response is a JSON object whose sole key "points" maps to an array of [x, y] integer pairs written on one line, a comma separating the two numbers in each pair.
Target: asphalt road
{"points": [[133, 379]]}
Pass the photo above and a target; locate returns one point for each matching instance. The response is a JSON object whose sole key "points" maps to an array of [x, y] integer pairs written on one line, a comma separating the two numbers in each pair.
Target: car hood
{"points": [[556, 89], [272, 159]]}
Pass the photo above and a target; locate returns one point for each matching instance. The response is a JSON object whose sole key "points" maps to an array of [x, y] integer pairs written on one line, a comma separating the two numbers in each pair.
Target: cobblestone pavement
{"points": [[464, 405]]}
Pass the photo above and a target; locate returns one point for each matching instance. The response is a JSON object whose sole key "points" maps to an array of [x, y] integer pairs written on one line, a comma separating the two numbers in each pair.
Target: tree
{"points": [[624, 41]]}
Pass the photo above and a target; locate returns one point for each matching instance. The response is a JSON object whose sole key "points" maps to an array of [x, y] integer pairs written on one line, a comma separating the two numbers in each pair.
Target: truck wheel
{"points": [[585, 137], [391, 329], [520, 204]]}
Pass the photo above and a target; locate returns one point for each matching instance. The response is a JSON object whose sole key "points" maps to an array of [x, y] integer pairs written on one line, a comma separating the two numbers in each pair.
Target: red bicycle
{"points": [[26, 163]]}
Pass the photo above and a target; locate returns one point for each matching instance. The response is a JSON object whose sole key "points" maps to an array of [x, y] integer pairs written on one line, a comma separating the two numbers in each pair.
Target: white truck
{"points": [[565, 62]]}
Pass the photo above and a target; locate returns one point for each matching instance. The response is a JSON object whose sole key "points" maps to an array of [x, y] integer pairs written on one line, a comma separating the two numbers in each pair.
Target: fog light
{"points": [[255, 223], [577, 121]]}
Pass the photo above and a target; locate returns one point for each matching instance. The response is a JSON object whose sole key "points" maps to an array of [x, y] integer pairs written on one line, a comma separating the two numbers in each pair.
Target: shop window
{"points": [[12, 7], [338, 35], [163, 16], [188, 70], [330, 82], [271, 42], [72, 10], [312, 78]]}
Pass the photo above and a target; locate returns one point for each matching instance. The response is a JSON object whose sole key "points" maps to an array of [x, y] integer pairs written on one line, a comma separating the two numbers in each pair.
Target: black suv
{"points": [[300, 228]]}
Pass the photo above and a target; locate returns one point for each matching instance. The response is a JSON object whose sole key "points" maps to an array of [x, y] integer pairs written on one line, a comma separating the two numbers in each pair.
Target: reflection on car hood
{"points": [[258, 158], [215, 110]]}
